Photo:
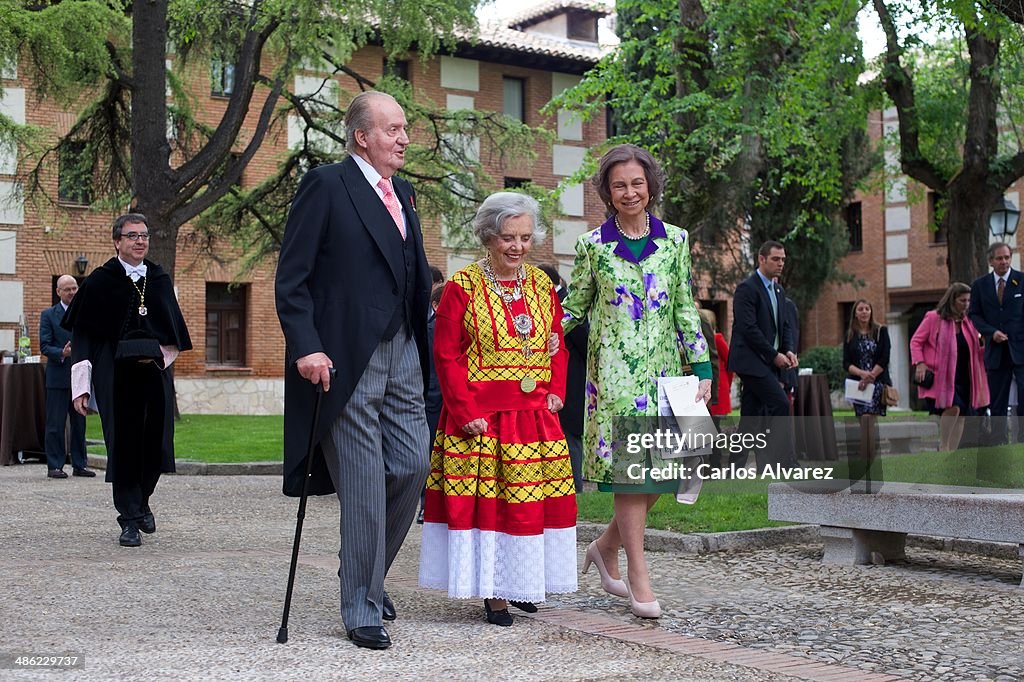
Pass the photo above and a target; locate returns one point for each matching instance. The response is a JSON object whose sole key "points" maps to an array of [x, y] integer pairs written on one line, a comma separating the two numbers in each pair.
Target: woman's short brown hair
{"points": [[624, 153]]}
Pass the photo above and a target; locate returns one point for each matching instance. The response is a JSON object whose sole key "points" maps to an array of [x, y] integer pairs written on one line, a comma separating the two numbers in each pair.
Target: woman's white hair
{"points": [[501, 206]]}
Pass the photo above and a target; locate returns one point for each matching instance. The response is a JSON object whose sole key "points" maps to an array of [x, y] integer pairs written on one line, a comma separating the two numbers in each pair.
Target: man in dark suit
{"points": [[352, 293], [571, 414], [55, 344], [762, 347], [997, 311]]}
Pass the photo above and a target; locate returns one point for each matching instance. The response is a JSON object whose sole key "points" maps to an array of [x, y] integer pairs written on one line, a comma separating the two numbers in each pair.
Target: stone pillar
{"points": [[899, 358]]}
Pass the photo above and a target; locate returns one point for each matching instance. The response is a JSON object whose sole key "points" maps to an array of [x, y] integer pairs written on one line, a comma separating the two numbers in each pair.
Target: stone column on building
{"points": [[899, 358]]}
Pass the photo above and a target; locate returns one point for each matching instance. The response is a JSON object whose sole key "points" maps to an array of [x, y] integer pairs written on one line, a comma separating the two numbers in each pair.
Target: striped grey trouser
{"points": [[377, 455]]}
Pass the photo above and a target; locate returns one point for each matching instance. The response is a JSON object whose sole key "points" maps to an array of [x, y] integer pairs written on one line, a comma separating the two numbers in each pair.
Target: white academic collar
{"points": [[129, 268]]}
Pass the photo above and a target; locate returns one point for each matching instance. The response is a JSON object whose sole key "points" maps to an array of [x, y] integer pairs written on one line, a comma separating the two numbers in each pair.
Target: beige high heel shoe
{"points": [[611, 585], [643, 609]]}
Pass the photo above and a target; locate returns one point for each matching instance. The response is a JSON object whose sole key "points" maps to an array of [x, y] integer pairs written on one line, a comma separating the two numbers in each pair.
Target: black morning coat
{"points": [[337, 289], [104, 308]]}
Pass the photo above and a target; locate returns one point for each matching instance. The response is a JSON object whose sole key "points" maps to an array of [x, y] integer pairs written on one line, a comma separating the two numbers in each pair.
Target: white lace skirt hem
{"points": [[485, 564]]}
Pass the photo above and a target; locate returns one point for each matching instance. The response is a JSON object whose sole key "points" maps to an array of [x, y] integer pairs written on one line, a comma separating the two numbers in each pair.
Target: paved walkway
{"points": [[202, 598]]}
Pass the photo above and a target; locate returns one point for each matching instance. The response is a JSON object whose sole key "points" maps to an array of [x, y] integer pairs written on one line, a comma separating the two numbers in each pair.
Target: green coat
{"points": [[642, 322]]}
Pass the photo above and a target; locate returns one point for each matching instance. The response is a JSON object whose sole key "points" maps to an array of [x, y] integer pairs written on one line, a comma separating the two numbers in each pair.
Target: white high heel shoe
{"points": [[643, 609], [611, 585]]}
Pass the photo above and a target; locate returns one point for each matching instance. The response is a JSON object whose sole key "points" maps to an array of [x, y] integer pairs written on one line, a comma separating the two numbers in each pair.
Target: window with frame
{"points": [[399, 68], [222, 77], [581, 27], [855, 226], [225, 324], [514, 98], [74, 174], [516, 183]]}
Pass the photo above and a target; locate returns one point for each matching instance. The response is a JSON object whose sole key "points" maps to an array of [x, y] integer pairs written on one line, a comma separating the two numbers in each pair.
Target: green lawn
{"points": [[217, 437], [722, 506]]}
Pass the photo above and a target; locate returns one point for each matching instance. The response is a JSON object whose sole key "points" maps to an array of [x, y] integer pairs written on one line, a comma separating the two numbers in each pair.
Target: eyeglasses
{"points": [[136, 236]]}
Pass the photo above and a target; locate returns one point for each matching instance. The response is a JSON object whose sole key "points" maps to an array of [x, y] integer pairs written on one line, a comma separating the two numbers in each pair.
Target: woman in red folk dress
{"points": [[500, 512]]}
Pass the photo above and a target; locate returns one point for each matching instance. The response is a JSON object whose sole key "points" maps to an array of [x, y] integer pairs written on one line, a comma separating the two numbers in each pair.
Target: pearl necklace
{"points": [[646, 232]]}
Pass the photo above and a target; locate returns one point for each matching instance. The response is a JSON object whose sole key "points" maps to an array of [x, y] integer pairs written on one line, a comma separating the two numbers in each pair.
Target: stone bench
{"points": [[893, 437], [856, 525]]}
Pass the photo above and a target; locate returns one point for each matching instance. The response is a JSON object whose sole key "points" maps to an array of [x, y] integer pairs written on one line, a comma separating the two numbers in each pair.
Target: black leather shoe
{"points": [[147, 524], [56, 473], [388, 608], [502, 618], [130, 536], [524, 606], [370, 637], [87, 473]]}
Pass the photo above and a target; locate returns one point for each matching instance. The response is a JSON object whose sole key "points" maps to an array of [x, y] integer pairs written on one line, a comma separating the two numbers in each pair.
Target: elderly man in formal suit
{"points": [[997, 311], [55, 344], [762, 348], [352, 293]]}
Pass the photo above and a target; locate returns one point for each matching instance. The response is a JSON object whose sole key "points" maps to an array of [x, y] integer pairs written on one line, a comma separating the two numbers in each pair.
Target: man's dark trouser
{"points": [[999, 382], [764, 409], [139, 422], [58, 409]]}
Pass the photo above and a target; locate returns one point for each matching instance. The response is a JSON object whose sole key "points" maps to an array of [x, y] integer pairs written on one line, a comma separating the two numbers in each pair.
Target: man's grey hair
{"points": [[359, 116], [501, 206], [994, 248]]}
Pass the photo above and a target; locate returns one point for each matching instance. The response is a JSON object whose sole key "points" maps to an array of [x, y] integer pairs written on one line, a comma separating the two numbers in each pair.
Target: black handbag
{"points": [[929, 379], [137, 348]]}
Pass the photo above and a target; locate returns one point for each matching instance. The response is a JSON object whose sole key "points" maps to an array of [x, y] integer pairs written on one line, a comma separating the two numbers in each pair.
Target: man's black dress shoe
{"points": [[525, 606], [502, 618], [88, 473], [56, 473], [130, 536], [147, 524], [370, 637], [388, 608]]}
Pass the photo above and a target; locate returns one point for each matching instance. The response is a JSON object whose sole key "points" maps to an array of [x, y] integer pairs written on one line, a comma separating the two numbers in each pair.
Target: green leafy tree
{"points": [[143, 139], [755, 111], [960, 106]]}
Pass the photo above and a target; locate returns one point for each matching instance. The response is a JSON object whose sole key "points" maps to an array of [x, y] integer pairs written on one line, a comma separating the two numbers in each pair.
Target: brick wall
{"points": [[50, 239]]}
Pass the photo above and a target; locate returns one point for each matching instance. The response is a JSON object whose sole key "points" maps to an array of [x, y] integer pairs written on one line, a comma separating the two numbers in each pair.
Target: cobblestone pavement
{"points": [[202, 598]]}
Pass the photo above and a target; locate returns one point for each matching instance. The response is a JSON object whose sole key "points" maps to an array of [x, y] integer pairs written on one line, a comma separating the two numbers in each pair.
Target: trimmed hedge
{"points": [[826, 360]]}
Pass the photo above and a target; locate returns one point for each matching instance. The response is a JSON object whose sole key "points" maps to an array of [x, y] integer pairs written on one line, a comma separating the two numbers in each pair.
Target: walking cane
{"points": [[282, 633]]}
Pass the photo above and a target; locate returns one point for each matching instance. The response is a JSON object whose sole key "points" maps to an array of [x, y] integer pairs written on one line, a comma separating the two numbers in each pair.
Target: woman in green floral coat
{"points": [[632, 278]]}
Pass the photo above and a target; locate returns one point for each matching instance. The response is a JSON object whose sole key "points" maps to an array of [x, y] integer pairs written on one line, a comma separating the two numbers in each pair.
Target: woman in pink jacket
{"points": [[947, 344]]}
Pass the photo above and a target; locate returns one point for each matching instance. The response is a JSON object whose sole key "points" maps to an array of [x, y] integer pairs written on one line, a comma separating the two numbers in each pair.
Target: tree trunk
{"points": [[968, 206], [153, 193]]}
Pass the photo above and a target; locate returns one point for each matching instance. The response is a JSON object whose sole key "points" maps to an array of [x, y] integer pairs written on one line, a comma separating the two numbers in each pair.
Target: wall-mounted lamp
{"points": [[81, 263]]}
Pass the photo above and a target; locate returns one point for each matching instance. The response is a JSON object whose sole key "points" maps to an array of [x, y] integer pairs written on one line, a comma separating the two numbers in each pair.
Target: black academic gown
{"points": [[102, 312]]}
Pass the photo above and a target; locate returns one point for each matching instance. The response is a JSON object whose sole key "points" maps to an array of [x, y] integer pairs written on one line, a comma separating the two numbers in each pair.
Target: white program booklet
{"points": [[689, 420], [854, 394]]}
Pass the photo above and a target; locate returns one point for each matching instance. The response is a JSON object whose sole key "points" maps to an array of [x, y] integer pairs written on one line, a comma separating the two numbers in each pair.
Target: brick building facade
{"points": [[898, 258], [238, 360]]}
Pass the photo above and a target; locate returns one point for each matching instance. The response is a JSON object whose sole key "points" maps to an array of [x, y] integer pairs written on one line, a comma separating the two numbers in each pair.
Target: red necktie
{"points": [[391, 203], [1000, 288]]}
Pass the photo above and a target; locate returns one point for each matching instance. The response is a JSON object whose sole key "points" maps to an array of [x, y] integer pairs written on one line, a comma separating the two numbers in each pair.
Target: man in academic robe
{"points": [[352, 291], [126, 330]]}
